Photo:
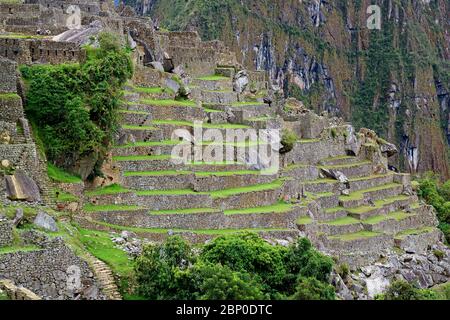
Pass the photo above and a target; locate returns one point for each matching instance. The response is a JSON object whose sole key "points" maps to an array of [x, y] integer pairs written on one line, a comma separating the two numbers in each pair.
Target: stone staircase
{"points": [[200, 200], [105, 277]]}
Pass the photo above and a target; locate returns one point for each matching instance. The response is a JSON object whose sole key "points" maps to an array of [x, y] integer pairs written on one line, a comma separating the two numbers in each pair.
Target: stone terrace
{"points": [[355, 221]]}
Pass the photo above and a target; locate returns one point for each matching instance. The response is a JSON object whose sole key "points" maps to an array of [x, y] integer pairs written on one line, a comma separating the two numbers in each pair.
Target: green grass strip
{"points": [[154, 173], [414, 232], [136, 127], [360, 194], [13, 249], [276, 208], [110, 207], [355, 236], [177, 192], [342, 221], [112, 189], [168, 103], [143, 158], [304, 220], [186, 211], [213, 78], [59, 175], [398, 215], [253, 188], [196, 231], [201, 124], [148, 144]]}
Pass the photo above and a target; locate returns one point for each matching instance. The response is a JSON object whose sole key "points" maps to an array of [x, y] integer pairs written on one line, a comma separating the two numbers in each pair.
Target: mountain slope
{"points": [[394, 80]]}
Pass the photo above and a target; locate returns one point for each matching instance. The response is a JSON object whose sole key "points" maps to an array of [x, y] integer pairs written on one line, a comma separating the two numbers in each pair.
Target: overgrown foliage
{"points": [[241, 266], [438, 195], [288, 140], [75, 105], [402, 290]]}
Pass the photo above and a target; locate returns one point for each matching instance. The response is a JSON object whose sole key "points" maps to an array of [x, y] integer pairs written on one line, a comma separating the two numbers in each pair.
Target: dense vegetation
{"points": [[74, 106], [402, 290], [240, 267], [438, 195]]}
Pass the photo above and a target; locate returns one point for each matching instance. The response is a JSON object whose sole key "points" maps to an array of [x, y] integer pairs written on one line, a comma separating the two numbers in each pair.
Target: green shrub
{"points": [[239, 266], [402, 290], [313, 289], [438, 254], [288, 140], [217, 282], [437, 195]]}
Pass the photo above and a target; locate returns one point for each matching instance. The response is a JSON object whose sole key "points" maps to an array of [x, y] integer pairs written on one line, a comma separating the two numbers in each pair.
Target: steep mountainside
{"points": [[394, 80]]}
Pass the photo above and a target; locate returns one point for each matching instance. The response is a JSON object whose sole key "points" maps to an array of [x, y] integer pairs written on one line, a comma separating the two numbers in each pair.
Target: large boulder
{"points": [[21, 187], [157, 66], [387, 149], [240, 81], [167, 63], [45, 221], [335, 174]]}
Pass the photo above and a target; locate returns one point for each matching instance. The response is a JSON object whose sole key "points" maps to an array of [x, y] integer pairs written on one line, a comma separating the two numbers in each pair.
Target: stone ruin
{"points": [[334, 186]]}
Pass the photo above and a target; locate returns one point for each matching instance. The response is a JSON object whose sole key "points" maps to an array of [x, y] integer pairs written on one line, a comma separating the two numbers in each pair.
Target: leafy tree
{"points": [[217, 282], [247, 252], [312, 289], [240, 266], [156, 269], [75, 106], [304, 260], [402, 290]]}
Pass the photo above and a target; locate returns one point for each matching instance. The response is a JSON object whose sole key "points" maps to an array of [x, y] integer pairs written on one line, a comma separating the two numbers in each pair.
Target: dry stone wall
{"points": [[48, 272]]}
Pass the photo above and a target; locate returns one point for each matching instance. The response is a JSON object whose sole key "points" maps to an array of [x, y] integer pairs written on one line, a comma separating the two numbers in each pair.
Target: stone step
{"points": [[248, 196], [225, 71], [320, 186], [159, 93], [133, 117], [393, 222], [199, 181], [357, 184], [243, 110], [331, 214], [340, 160], [168, 128], [301, 172], [156, 199], [418, 240], [352, 170], [213, 83], [214, 181], [266, 122], [380, 207], [192, 235], [275, 216], [324, 199], [144, 148], [157, 180], [215, 96], [364, 196], [142, 133], [358, 248], [339, 226], [166, 147], [167, 162], [168, 111]]}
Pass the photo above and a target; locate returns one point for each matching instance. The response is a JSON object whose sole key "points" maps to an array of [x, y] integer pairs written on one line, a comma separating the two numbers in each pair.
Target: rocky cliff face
{"points": [[394, 80]]}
